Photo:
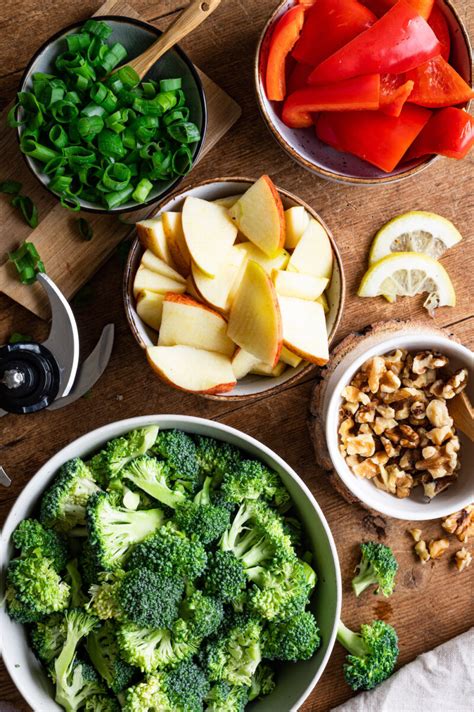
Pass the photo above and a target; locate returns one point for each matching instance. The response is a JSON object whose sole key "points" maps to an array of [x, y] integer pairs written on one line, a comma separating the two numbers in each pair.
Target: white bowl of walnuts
{"points": [[389, 431]]}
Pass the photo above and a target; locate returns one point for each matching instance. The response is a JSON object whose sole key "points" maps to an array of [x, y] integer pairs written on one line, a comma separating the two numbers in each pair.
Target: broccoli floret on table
{"points": [[295, 639], [31, 537], [154, 477], [34, 589], [263, 682], [63, 505], [234, 654], [223, 697], [113, 530], [216, 458], [178, 450], [103, 651], [171, 553], [108, 463], [202, 517], [179, 690], [251, 479], [379, 566], [75, 680], [48, 636], [372, 655], [150, 599]]}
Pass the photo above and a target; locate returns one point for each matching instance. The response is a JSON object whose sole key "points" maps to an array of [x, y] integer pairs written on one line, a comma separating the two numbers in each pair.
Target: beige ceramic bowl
{"points": [[326, 162], [251, 386]]}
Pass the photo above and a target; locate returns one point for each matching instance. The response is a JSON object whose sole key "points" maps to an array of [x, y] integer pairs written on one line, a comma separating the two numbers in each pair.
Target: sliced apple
{"points": [[254, 318], [228, 201], [297, 220], [219, 291], [304, 329], [191, 288], [268, 263], [173, 227], [260, 217], [263, 369], [150, 308], [145, 279], [190, 323], [289, 357], [209, 234], [296, 284], [324, 302], [191, 369], [242, 363], [313, 254], [155, 264], [151, 234]]}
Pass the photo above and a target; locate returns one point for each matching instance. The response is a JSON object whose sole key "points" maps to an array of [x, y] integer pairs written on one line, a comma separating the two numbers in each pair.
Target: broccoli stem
{"points": [[351, 641], [365, 578], [204, 496]]}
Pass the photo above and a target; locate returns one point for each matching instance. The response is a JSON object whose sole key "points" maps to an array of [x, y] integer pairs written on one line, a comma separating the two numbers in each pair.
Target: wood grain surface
{"points": [[432, 603]]}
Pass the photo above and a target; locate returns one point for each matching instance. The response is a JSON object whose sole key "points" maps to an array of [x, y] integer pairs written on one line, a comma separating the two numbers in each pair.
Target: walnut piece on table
{"points": [[422, 551], [437, 547], [461, 523], [415, 534], [462, 559]]}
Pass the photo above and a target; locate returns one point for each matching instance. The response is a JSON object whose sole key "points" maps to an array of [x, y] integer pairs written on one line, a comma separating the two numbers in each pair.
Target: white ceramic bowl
{"points": [[296, 681], [455, 497], [252, 385]]}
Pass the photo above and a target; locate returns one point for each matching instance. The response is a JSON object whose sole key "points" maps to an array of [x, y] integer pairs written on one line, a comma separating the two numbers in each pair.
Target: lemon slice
{"points": [[404, 274], [416, 231]]}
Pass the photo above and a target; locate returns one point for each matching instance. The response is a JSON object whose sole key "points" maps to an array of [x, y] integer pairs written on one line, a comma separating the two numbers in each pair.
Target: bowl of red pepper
{"points": [[366, 91]]}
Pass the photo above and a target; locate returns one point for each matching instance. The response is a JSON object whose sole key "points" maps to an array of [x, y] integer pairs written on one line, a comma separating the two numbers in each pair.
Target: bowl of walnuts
{"points": [[389, 428]]}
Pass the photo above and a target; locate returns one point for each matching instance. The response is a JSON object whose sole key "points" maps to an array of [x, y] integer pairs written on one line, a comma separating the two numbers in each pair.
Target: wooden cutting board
{"points": [[71, 261]]}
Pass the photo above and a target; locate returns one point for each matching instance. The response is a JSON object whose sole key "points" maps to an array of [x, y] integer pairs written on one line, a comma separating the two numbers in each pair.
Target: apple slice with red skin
{"points": [[304, 329], [192, 370]]}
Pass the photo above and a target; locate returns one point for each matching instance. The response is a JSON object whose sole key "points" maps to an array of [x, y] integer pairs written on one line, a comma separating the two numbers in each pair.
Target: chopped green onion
{"points": [[184, 132], [170, 84], [17, 338], [27, 208], [27, 262], [10, 187], [85, 229], [142, 191]]}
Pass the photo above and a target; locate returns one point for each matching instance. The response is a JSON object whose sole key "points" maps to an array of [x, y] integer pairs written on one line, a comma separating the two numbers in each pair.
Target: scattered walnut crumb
{"points": [[461, 523], [437, 547], [415, 533], [422, 551], [462, 559]]}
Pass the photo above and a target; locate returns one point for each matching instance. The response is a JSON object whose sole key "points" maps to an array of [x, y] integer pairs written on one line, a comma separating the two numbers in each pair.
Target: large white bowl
{"points": [[461, 493], [295, 681]]}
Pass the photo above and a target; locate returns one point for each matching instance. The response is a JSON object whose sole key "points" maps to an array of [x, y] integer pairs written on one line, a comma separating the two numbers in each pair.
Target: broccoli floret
{"points": [[107, 464], [104, 595], [248, 542], [263, 682], [153, 477], [253, 480], [30, 537], [63, 505], [179, 451], [283, 590], [48, 636], [35, 589], [234, 655], [201, 517], [223, 697], [225, 576], [295, 639], [373, 654], [103, 651], [378, 566], [179, 690], [171, 553], [216, 458], [87, 564], [149, 648], [150, 599], [101, 703], [203, 614], [75, 680], [113, 531], [74, 579]]}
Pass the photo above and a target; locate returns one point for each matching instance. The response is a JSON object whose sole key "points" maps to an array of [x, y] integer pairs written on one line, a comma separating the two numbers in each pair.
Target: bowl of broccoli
{"points": [[168, 563]]}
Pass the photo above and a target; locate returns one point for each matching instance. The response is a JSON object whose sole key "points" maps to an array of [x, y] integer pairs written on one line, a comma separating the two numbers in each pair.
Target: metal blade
{"points": [[4, 479], [91, 369], [63, 339]]}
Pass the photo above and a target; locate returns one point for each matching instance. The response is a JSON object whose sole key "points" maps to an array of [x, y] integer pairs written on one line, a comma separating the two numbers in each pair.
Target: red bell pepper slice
{"points": [[440, 27], [371, 135], [398, 42], [329, 25], [298, 78], [380, 7], [283, 40], [449, 132], [438, 84], [349, 95], [394, 91]]}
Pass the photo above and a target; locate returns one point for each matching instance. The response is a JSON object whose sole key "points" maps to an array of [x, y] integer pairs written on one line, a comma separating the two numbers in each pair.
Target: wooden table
{"points": [[432, 603]]}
